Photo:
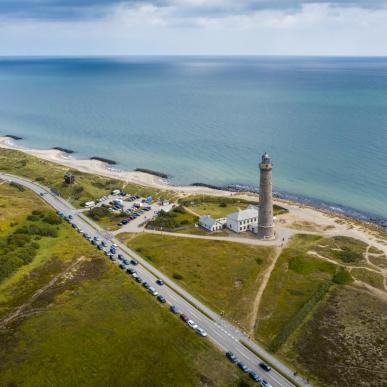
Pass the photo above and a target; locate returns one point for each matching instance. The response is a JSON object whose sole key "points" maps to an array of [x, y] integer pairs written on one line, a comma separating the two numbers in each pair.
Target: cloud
{"points": [[63, 10]]}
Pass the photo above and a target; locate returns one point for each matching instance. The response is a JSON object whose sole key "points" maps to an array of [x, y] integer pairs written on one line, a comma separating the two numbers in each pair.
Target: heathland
{"points": [[70, 317]]}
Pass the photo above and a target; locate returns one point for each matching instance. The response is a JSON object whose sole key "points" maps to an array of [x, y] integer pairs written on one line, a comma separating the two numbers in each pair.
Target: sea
{"points": [[209, 119]]}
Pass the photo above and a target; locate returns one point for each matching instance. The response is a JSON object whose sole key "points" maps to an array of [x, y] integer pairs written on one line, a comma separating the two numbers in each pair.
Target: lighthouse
{"points": [[265, 215]]}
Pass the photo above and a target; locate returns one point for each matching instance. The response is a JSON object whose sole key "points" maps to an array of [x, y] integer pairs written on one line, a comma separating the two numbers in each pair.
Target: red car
{"points": [[184, 317]]}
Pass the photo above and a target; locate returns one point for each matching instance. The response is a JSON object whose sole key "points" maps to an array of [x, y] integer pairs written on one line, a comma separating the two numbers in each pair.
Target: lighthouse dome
{"points": [[266, 158]]}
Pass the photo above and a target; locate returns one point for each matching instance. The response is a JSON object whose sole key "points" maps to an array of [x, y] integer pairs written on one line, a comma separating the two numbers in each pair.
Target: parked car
{"points": [[264, 366], [139, 280], [153, 291], [159, 282], [255, 376], [264, 383], [192, 324], [134, 262], [70, 216], [231, 357], [161, 299], [146, 285], [184, 318], [130, 270], [126, 262], [243, 367], [173, 309], [201, 332]]}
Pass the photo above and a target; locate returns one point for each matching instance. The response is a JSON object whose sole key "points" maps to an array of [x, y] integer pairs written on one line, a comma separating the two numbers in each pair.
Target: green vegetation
{"points": [[176, 220], [342, 249], [224, 275], [299, 317], [343, 343], [86, 187], [77, 311], [369, 277], [342, 277], [292, 290], [219, 207]]}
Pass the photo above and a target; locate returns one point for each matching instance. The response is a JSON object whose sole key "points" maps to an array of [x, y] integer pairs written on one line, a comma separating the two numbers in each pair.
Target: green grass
{"points": [[294, 280], [99, 328], [177, 220], [224, 275], [95, 326], [219, 207]]}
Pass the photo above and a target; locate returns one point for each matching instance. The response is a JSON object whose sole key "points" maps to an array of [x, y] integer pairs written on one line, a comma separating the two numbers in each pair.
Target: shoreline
{"points": [[143, 176]]}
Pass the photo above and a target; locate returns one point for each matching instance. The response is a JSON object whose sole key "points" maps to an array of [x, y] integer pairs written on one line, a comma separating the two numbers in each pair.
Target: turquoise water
{"points": [[200, 119]]}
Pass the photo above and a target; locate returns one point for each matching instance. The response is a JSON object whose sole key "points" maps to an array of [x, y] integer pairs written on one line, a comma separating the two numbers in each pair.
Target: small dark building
{"points": [[69, 178]]}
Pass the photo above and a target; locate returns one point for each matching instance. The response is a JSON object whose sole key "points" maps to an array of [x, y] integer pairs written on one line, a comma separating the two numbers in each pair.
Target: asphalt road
{"points": [[223, 334]]}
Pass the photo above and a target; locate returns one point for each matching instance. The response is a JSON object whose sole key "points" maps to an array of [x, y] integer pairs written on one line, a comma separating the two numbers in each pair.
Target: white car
{"points": [[201, 332], [153, 291], [192, 324]]}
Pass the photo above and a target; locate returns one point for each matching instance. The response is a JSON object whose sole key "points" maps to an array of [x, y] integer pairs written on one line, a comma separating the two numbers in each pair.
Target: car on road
{"points": [[70, 216], [192, 324], [255, 376], [125, 261], [120, 257], [135, 275], [146, 285], [134, 262], [114, 245], [264, 383], [139, 280], [243, 367], [122, 266], [103, 243], [201, 332], [231, 357], [264, 366], [153, 291], [42, 193], [161, 299], [159, 282], [173, 309], [184, 318], [130, 270]]}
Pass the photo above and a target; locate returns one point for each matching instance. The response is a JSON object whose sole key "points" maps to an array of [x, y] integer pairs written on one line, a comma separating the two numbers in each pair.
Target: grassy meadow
{"points": [[79, 321], [224, 275]]}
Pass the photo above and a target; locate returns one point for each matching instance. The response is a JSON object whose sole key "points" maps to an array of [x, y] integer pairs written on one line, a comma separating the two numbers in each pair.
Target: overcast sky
{"points": [[259, 27]]}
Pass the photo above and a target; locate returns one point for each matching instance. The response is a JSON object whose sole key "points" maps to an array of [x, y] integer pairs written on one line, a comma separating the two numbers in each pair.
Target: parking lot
{"points": [[136, 211]]}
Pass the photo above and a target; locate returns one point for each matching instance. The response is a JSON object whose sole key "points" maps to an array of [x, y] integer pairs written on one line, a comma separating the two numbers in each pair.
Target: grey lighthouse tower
{"points": [[265, 215]]}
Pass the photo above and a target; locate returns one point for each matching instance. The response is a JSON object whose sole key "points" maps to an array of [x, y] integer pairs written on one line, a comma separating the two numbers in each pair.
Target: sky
{"points": [[193, 27]]}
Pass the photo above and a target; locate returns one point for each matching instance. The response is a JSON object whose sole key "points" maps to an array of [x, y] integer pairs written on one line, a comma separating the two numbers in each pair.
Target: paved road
{"points": [[223, 334]]}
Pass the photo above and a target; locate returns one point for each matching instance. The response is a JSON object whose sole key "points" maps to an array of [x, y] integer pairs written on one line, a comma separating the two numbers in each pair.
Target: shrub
{"points": [[342, 277], [17, 186], [223, 204], [259, 260], [177, 276]]}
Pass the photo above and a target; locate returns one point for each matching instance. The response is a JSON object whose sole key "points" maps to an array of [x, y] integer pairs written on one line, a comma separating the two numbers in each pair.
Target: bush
{"points": [[259, 260], [177, 276], [98, 212], [348, 256], [52, 219], [342, 277], [222, 204], [17, 186]]}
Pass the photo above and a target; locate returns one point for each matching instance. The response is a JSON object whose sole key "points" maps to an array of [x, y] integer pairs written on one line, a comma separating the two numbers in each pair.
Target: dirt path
{"points": [[20, 311], [192, 212], [262, 287]]}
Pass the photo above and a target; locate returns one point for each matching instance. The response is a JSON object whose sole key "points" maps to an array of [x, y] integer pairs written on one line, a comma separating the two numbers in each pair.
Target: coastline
{"points": [[98, 166]]}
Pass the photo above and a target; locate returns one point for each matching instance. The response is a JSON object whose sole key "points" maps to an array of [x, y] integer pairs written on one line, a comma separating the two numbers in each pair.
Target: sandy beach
{"points": [[100, 168]]}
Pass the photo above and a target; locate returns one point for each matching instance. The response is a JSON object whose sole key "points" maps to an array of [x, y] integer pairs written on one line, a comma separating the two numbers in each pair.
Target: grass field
{"points": [[294, 281], [344, 342], [224, 275], [91, 325], [369, 277]]}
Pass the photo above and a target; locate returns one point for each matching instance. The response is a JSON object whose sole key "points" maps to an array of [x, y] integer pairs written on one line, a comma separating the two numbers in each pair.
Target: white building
{"points": [[243, 220], [210, 224]]}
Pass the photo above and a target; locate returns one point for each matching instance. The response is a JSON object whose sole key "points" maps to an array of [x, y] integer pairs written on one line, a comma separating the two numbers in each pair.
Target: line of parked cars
{"points": [[133, 215], [247, 370], [124, 263]]}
